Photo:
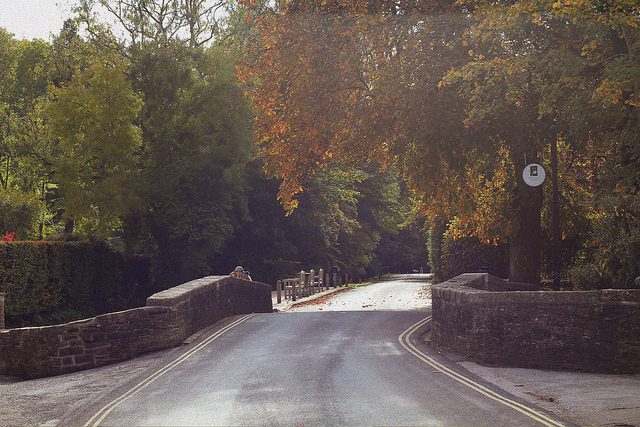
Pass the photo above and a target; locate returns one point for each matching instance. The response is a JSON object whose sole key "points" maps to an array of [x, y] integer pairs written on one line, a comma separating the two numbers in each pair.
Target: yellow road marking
{"points": [[106, 410], [404, 339]]}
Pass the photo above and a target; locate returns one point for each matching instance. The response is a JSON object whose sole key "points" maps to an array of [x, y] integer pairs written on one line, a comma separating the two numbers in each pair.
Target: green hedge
{"points": [[469, 255], [434, 244], [53, 282]]}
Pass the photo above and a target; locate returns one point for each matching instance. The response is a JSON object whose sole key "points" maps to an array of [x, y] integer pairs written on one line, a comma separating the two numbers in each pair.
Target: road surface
{"points": [[329, 367], [586, 399]]}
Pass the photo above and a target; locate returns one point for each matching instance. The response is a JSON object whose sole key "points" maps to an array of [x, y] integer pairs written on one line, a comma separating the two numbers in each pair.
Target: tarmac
{"points": [[581, 398]]}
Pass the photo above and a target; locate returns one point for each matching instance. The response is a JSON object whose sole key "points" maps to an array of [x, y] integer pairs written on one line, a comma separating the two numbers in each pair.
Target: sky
{"points": [[29, 19]]}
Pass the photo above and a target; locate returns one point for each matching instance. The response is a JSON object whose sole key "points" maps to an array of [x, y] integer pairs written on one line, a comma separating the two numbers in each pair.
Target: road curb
{"points": [[288, 304]]}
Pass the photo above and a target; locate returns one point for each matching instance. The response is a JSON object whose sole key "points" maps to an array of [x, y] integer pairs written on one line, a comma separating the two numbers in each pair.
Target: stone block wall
{"points": [[591, 331], [201, 302], [168, 319]]}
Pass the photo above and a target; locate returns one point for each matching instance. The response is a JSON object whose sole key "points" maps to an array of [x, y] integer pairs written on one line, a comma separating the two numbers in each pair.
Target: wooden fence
{"points": [[308, 283]]}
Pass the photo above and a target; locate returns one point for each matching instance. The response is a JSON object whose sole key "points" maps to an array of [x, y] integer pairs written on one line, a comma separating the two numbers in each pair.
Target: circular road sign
{"points": [[533, 174]]}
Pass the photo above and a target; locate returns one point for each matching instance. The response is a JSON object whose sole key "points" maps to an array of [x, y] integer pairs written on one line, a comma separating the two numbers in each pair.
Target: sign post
{"points": [[556, 261]]}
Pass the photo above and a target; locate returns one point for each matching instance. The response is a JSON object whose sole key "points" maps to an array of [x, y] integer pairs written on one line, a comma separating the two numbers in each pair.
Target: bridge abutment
{"points": [[168, 319], [497, 322]]}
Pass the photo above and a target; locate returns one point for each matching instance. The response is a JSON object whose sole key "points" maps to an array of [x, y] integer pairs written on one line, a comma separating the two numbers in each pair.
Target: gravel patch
{"points": [[403, 292], [46, 401]]}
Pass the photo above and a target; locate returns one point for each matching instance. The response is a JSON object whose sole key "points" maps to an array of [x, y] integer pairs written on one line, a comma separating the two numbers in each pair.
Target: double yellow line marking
{"points": [[531, 413], [106, 410], [404, 341]]}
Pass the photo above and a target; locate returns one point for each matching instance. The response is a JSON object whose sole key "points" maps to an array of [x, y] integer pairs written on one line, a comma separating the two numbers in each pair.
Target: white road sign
{"points": [[533, 174]]}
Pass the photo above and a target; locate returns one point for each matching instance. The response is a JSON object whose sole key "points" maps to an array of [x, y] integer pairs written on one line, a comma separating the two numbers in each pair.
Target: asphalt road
{"points": [[315, 368], [585, 399]]}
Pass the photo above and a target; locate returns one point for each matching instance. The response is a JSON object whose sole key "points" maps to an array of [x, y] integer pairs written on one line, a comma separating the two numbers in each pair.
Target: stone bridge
{"points": [[168, 318], [494, 321]]}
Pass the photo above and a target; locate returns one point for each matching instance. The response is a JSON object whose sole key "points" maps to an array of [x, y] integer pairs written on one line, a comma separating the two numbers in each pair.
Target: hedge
{"points": [[50, 282], [470, 255]]}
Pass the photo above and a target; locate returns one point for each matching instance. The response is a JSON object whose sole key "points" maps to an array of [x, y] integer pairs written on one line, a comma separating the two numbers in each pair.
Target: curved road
{"points": [[312, 368]]}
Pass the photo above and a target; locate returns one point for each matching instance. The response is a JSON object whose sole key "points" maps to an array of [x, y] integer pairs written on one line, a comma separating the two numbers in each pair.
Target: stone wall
{"points": [[592, 331], [168, 319]]}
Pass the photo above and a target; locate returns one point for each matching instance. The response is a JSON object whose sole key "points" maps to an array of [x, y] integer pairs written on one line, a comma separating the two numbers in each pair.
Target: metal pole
{"points": [[555, 211]]}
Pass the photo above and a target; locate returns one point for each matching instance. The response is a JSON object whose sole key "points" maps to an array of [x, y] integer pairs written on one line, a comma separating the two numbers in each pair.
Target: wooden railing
{"points": [[307, 284]]}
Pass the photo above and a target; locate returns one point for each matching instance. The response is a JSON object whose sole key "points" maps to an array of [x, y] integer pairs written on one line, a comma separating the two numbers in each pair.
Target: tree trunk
{"points": [[525, 248], [436, 234], [68, 226]]}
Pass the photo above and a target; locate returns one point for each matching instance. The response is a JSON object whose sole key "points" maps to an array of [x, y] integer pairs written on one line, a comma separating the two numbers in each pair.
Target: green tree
{"points": [[92, 122], [196, 131], [197, 141], [610, 258], [30, 146], [380, 215], [268, 243], [23, 66], [20, 213]]}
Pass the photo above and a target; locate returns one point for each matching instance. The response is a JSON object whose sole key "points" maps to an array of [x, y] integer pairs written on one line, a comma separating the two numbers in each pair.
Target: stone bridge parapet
{"points": [[493, 321], [168, 318]]}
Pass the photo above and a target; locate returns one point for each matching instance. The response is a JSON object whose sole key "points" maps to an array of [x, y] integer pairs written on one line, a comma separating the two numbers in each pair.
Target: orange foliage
{"points": [[307, 82]]}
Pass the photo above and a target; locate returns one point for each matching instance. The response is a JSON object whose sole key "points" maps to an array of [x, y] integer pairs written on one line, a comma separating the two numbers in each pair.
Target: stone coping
{"points": [[182, 292], [482, 287]]}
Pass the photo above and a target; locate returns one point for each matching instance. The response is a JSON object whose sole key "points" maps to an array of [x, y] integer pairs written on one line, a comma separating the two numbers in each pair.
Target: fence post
{"points": [[321, 279], [2, 295], [294, 290], [279, 292], [346, 279], [312, 281], [302, 280]]}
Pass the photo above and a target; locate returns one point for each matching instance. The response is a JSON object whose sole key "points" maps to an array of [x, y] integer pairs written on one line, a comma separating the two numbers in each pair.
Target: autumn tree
{"points": [[504, 87], [461, 95], [571, 66], [603, 118], [358, 83]]}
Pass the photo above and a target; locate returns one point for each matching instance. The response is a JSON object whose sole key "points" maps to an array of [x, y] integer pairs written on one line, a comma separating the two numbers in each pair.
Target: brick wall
{"points": [[592, 331], [169, 317]]}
